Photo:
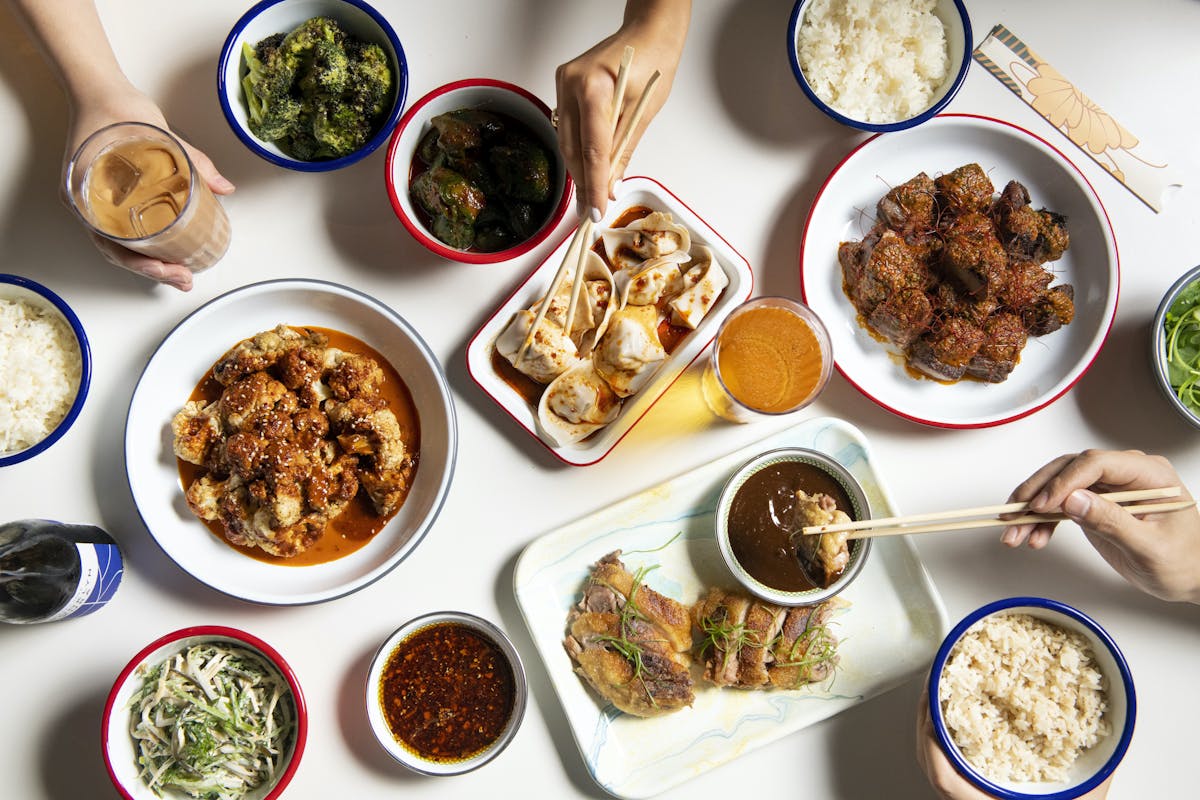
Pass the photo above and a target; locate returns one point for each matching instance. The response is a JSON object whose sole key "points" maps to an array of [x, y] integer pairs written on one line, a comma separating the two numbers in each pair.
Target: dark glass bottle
{"points": [[51, 571]]}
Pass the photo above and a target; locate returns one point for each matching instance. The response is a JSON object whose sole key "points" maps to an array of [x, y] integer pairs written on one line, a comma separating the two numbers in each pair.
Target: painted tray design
{"points": [[891, 631]]}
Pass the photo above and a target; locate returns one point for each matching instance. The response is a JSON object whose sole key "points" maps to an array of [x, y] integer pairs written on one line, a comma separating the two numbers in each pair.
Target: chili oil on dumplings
{"points": [[645, 286]]}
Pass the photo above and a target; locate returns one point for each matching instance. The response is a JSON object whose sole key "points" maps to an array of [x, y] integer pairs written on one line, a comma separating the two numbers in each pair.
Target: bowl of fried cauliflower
{"points": [[312, 85]]}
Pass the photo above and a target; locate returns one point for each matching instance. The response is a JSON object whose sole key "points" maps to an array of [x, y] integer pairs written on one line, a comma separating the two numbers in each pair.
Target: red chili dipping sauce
{"points": [[447, 692]]}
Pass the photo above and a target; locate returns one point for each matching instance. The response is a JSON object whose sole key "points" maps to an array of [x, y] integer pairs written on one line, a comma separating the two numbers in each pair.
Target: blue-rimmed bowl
{"points": [[17, 288], [282, 16], [1094, 765], [957, 26]]}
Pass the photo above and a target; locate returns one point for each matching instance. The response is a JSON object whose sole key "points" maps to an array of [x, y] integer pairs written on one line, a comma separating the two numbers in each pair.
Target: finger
{"points": [[595, 138], [1032, 486], [1016, 535], [1039, 537], [1093, 468], [175, 275], [204, 165], [1100, 516]]}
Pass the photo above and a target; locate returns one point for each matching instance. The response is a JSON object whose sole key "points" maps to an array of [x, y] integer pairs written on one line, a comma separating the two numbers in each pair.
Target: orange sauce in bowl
{"points": [[769, 359]]}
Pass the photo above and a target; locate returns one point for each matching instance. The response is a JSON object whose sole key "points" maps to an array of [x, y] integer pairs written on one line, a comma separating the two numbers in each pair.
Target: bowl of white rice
{"points": [[880, 65], [1031, 698], [45, 368]]}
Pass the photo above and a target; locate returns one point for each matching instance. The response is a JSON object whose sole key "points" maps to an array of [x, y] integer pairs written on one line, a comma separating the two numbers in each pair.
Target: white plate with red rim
{"points": [[1050, 365], [183, 358], [631, 192]]}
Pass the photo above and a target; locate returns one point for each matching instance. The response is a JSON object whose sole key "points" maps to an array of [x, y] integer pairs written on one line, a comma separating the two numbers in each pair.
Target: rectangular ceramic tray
{"points": [[890, 632], [637, 191]]}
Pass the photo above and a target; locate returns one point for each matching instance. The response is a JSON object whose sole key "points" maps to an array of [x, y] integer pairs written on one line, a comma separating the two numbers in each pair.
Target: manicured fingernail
{"points": [[1077, 504], [1009, 537], [596, 215], [224, 184], [1040, 501]]}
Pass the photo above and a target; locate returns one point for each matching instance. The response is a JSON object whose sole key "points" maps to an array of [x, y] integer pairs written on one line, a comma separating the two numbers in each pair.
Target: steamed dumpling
{"points": [[578, 403], [630, 351], [703, 284], [647, 284], [655, 235], [550, 353]]}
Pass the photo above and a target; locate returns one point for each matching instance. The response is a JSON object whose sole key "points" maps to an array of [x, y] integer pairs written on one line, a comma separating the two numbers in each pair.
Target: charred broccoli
{"points": [[316, 92]]}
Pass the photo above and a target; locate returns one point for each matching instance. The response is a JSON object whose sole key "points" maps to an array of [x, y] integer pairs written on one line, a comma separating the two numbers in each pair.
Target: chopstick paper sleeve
{"points": [[1065, 107]]}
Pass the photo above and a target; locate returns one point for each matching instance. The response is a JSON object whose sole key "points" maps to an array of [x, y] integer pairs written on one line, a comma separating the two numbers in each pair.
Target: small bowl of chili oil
{"points": [[446, 693], [758, 529]]}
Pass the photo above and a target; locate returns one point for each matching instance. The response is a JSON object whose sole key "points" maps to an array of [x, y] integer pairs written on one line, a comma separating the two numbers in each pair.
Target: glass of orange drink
{"points": [[771, 357]]}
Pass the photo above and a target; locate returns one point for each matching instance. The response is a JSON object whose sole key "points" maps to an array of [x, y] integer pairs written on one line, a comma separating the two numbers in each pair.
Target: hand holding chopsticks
{"points": [[577, 251], [989, 516]]}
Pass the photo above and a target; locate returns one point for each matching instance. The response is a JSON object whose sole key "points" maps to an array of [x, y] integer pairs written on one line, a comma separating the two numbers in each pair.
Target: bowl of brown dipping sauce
{"points": [[446, 693], [758, 527]]}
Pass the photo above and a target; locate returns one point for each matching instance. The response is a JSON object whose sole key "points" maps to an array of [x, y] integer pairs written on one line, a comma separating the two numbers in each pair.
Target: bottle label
{"points": [[100, 571]]}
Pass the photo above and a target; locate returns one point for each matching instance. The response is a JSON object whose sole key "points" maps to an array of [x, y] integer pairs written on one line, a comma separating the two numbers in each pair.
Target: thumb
{"points": [[1095, 514], [204, 165]]}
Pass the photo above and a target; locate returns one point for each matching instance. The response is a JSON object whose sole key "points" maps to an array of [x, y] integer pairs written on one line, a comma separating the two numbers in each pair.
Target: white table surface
{"points": [[739, 142]]}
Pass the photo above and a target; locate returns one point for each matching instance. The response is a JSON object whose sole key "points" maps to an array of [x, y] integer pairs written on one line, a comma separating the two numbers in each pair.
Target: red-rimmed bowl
{"points": [[480, 93], [1049, 365], [120, 755]]}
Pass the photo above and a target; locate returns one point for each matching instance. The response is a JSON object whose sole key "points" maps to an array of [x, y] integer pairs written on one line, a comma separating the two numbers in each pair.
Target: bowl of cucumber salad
{"points": [[205, 712]]}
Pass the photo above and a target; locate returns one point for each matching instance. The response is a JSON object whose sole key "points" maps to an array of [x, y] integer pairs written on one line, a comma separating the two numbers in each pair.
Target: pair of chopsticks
{"points": [[969, 518], [577, 251]]}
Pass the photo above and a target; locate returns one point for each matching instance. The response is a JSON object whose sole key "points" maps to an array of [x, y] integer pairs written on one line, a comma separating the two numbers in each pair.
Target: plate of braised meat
{"points": [[966, 270]]}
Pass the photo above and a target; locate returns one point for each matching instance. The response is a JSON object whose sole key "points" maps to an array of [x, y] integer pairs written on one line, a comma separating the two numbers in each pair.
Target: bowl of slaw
{"points": [[205, 711]]}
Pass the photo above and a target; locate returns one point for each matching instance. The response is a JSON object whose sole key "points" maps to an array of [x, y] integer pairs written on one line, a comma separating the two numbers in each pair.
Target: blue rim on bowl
{"points": [[861, 507], [378, 721], [1158, 345], [230, 60], [1054, 608], [946, 93], [85, 368]]}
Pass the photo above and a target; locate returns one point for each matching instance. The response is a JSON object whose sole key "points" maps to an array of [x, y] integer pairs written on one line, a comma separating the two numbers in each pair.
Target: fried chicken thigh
{"points": [[631, 643]]}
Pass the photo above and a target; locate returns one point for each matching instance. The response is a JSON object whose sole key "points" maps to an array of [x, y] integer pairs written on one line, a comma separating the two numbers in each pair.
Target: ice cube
{"points": [[157, 164], [153, 215], [115, 177]]}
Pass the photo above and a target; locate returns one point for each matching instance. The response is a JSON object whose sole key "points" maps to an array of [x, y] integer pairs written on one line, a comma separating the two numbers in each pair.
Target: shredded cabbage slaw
{"points": [[1182, 329], [214, 721]]}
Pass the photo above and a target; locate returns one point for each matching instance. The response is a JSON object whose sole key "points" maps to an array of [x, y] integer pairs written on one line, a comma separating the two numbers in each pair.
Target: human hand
{"points": [[586, 88], [1158, 553], [126, 104], [946, 781]]}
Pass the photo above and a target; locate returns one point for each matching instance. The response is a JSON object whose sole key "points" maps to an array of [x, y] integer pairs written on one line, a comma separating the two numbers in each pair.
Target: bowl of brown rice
{"points": [[880, 65], [45, 368], [1031, 698]]}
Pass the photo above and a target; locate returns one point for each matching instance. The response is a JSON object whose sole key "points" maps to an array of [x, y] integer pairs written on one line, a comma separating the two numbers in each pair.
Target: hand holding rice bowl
{"points": [[45, 368], [880, 65], [1031, 698]]}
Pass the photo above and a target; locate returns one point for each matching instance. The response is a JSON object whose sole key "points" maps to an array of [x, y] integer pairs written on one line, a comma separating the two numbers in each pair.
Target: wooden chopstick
{"points": [[957, 525], [576, 252], [622, 82], [1130, 496]]}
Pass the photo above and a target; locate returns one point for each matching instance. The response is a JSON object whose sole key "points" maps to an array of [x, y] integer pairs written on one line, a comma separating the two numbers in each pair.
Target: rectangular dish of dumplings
{"points": [[657, 281]]}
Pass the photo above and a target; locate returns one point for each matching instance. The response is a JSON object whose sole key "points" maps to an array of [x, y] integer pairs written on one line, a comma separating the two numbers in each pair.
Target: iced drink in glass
{"points": [[134, 184]]}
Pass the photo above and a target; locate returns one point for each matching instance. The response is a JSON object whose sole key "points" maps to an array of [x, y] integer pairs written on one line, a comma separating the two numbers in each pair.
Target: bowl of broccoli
{"points": [[474, 171], [312, 85]]}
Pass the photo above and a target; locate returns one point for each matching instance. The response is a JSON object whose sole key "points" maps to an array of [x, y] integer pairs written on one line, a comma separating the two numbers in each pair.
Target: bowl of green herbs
{"points": [[312, 85], [1176, 346]]}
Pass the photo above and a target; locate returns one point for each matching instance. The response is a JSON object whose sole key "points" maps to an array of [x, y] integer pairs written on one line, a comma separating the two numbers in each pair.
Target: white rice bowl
{"points": [[877, 61], [1023, 698], [40, 370]]}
